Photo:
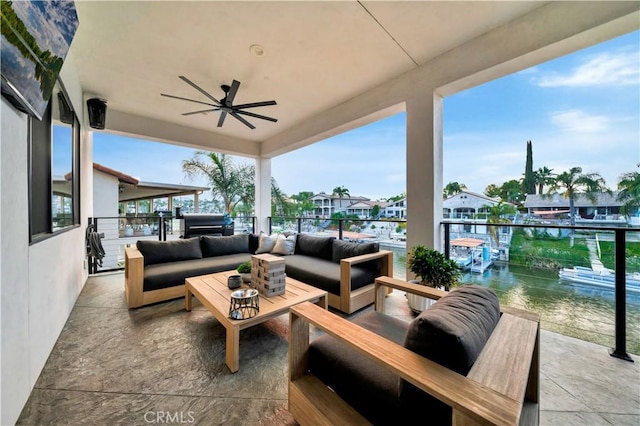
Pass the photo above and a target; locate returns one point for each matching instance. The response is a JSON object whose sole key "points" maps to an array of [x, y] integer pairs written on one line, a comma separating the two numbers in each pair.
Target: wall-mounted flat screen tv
{"points": [[36, 36]]}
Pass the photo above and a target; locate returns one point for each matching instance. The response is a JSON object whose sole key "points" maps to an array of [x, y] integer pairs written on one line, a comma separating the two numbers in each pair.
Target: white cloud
{"points": [[575, 120], [605, 69]]}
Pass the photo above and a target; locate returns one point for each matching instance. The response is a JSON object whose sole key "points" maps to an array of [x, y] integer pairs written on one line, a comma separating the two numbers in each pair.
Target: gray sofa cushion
{"points": [[319, 247], [156, 252], [454, 330], [344, 249], [371, 390], [452, 333], [166, 275], [220, 246], [325, 274]]}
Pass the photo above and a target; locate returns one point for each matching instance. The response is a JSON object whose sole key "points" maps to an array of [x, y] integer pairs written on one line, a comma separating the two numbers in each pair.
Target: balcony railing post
{"points": [[339, 229], [162, 230], [620, 350], [299, 225], [447, 240]]}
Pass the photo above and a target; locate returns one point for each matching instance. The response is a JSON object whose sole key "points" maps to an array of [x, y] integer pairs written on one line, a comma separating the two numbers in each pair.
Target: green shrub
{"points": [[244, 268], [432, 267]]}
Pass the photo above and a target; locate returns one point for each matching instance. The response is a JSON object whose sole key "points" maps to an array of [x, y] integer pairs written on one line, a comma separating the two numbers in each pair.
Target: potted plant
{"points": [[244, 269], [432, 269]]}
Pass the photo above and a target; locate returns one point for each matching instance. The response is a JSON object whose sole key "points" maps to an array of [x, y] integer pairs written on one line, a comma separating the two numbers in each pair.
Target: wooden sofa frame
{"points": [[502, 387], [134, 280], [348, 301]]}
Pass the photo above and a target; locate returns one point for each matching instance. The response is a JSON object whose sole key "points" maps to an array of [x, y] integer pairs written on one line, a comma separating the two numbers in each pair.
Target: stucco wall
{"points": [[39, 283], [106, 205], [14, 252]]}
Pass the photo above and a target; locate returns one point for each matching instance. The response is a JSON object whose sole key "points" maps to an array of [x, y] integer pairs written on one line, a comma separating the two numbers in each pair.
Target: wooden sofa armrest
{"points": [[133, 276], [382, 283], [474, 400], [386, 256]]}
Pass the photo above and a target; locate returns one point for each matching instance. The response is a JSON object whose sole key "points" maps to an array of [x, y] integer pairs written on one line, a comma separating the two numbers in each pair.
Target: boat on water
{"points": [[604, 278], [471, 254]]}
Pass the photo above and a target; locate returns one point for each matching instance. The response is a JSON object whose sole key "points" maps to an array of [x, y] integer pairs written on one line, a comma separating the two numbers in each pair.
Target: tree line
{"points": [[234, 185], [568, 183]]}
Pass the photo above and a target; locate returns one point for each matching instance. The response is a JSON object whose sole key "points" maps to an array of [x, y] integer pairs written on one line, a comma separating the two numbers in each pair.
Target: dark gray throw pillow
{"points": [[344, 249], [155, 252], [320, 247], [220, 246], [454, 330]]}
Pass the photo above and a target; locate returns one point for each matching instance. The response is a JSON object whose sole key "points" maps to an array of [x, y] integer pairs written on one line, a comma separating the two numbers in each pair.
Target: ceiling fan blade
{"points": [[264, 117], [246, 123], [200, 112], [223, 115], [185, 99], [255, 104], [199, 89], [232, 93]]}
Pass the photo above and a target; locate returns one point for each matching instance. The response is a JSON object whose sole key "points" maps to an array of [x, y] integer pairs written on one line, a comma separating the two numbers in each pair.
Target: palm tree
{"points": [[234, 183], [543, 176], [496, 214], [453, 188], [280, 205], [629, 186], [341, 191], [575, 182], [227, 179]]}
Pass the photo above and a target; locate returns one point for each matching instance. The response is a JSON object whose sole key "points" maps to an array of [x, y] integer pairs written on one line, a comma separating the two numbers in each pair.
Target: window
{"points": [[54, 163]]}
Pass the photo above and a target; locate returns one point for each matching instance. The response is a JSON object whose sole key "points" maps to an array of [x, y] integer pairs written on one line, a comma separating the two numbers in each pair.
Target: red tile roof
{"points": [[121, 176]]}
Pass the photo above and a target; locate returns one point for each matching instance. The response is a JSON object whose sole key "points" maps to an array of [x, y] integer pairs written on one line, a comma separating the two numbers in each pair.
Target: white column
{"points": [[424, 170], [196, 202], [263, 194]]}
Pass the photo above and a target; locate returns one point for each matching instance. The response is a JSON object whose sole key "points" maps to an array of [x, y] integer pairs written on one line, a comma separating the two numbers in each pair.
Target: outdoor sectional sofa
{"points": [[155, 271]]}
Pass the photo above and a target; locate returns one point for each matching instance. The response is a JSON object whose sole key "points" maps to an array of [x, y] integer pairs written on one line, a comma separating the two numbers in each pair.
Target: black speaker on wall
{"points": [[97, 113]]}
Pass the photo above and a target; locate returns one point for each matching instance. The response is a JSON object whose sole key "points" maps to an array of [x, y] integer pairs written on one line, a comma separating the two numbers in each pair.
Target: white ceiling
{"points": [[318, 54]]}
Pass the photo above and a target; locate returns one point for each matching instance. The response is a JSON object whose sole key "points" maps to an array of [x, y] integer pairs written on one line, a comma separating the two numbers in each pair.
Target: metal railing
{"points": [[117, 232], [620, 237], [346, 228]]}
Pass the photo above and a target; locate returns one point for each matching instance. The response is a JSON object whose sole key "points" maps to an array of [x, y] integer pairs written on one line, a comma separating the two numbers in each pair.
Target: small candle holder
{"points": [[234, 281], [244, 304]]}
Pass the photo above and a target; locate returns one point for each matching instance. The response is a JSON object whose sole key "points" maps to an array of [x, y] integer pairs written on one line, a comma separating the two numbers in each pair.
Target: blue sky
{"points": [[581, 110]]}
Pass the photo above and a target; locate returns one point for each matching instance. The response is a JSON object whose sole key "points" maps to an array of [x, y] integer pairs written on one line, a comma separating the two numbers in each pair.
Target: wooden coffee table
{"points": [[212, 291]]}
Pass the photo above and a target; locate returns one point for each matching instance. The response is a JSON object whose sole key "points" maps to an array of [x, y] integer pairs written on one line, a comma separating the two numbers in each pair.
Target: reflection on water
{"points": [[579, 311]]}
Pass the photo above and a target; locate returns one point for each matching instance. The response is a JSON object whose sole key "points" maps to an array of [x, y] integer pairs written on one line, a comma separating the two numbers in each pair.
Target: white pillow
{"points": [[266, 243], [284, 245]]}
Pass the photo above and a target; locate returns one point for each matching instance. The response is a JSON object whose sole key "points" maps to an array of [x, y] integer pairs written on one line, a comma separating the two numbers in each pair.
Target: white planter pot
{"points": [[419, 303]]}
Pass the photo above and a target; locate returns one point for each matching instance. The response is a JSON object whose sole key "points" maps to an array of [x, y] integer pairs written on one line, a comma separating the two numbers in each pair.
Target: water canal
{"points": [[579, 311]]}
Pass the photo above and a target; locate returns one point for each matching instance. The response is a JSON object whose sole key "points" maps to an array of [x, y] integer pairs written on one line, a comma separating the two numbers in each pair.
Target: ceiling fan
{"points": [[225, 105]]}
